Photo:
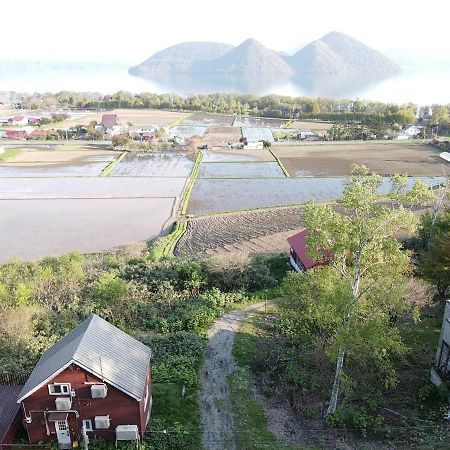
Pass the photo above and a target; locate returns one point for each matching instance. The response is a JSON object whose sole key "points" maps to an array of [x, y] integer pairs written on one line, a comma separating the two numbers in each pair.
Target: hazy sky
{"points": [[132, 30]]}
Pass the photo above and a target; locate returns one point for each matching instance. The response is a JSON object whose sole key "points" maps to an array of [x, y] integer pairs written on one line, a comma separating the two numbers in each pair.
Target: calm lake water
{"points": [[415, 86]]}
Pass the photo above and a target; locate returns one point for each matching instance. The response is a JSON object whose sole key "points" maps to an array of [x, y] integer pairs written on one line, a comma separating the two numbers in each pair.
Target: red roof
{"points": [[18, 118], [110, 120], [298, 244], [15, 134], [39, 133]]}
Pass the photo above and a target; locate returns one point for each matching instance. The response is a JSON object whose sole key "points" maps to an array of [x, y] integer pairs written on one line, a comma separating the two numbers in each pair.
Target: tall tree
{"points": [[365, 254]]}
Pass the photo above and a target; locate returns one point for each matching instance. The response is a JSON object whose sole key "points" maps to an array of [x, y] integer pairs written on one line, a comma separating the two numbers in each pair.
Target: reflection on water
{"points": [[418, 87]]}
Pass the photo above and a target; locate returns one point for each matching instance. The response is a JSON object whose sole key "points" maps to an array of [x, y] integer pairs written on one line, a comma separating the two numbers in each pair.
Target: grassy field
{"points": [[337, 159], [10, 154]]}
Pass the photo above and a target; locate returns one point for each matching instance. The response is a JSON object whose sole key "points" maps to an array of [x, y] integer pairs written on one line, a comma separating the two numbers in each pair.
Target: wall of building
{"points": [[122, 409]]}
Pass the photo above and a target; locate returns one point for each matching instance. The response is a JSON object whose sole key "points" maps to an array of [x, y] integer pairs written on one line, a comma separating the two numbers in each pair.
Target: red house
{"points": [[298, 257], [94, 382]]}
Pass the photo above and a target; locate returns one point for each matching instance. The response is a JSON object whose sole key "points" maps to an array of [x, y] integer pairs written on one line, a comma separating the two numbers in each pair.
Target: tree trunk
{"points": [[336, 383]]}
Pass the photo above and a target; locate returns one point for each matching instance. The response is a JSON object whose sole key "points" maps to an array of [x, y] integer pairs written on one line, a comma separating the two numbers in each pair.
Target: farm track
{"points": [[247, 231], [215, 406]]}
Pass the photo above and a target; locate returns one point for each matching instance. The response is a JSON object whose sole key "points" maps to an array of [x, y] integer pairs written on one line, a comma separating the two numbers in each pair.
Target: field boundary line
{"points": [[278, 160], [190, 183], [107, 170], [163, 247]]}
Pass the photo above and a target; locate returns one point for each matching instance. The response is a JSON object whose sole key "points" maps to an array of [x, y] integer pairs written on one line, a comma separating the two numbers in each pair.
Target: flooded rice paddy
{"points": [[241, 170], [215, 196], [154, 165], [32, 229]]}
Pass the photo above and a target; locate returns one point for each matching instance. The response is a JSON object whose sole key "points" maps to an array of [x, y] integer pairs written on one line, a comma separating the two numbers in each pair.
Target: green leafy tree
{"points": [[366, 256]]}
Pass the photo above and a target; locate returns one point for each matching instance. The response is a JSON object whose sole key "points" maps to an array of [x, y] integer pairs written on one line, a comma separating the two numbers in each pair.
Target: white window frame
{"points": [[89, 427], [52, 392]]}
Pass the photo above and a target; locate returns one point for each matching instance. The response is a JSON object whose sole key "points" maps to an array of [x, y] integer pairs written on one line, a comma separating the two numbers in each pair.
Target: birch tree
{"points": [[360, 235]]}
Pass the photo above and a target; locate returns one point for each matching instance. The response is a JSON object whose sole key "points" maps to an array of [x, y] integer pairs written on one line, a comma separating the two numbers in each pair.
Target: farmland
{"points": [[336, 159], [241, 170], [259, 122], [237, 155], [54, 201], [318, 127], [228, 231], [32, 229], [221, 136], [209, 120], [154, 165], [211, 196]]}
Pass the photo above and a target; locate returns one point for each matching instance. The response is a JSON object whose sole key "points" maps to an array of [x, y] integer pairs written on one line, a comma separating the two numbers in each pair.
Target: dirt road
{"points": [[215, 404]]}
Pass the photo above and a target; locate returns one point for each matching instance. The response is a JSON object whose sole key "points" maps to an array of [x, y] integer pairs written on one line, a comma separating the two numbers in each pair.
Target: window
{"points": [[59, 389], [87, 425]]}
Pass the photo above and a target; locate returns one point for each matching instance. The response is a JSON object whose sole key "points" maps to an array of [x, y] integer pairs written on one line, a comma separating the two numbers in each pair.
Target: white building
{"points": [[441, 370]]}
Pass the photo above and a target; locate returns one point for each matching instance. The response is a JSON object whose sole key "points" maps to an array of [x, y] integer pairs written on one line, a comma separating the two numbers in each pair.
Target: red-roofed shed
{"points": [[299, 258]]}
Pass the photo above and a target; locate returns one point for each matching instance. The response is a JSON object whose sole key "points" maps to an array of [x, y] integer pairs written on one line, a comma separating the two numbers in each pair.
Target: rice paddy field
{"points": [[209, 120], [241, 170], [31, 229], [54, 201], [154, 165], [188, 131], [212, 196], [262, 122], [236, 155]]}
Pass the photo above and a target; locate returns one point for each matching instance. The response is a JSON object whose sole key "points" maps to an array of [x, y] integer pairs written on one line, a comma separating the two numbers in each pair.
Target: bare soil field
{"points": [[250, 169], [209, 120], [148, 116], [385, 159], [32, 229], [236, 155], [154, 165], [221, 136], [318, 127], [229, 231], [263, 122]]}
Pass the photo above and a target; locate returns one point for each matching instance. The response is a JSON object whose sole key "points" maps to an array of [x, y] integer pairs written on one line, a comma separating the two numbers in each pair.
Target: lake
{"points": [[420, 87]]}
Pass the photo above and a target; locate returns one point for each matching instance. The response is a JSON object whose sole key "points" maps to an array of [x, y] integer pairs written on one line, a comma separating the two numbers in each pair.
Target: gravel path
{"points": [[215, 404]]}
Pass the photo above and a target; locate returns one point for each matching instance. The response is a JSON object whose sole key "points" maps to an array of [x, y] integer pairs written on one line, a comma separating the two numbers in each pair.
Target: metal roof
{"points": [[101, 349], [9, 409]]}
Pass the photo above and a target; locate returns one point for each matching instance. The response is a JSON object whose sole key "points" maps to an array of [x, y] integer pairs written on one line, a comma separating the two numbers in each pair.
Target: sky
{"points": [[131, 31]]}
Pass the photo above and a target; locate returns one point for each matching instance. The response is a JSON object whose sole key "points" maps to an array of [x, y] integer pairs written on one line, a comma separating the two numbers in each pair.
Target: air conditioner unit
{"points": [[101, 422], [99, 390], [127, 433], [63, 403]]}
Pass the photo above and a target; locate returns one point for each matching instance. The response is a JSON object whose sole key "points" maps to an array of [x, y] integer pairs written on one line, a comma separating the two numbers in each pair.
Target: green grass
{"points": [[163, 247], [10, 153], [107, 170], [286, 173], [249, 420], [190, 183]]}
